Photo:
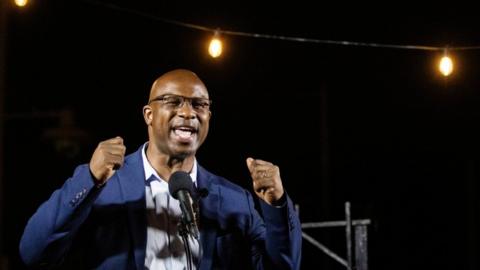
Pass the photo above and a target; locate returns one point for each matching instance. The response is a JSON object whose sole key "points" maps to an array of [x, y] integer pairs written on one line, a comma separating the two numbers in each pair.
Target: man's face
{"points": [[178, 115]]}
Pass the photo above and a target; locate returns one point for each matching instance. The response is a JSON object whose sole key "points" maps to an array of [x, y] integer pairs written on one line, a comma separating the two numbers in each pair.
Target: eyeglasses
{"points": [[175, 102]]}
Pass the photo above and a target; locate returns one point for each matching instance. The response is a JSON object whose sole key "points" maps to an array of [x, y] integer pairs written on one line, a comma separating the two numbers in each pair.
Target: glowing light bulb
{"points": [[446, 66], [21, 3], [215, 47]]}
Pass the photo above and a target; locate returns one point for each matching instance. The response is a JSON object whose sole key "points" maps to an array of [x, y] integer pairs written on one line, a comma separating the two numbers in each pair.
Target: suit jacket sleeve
{"points": [[282, 237], [48, 233]]}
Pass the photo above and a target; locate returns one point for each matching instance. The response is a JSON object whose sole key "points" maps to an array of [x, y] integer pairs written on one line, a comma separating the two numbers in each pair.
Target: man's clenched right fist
{"points": [[107, 158]]}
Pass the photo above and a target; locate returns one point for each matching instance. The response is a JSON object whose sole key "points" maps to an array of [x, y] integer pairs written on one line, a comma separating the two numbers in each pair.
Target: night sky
{"points": [[377, 127]]}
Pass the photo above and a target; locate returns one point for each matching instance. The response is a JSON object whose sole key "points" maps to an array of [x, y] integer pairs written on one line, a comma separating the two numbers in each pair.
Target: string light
{"points": [[445, 65], [21, 3], [215, 47]]}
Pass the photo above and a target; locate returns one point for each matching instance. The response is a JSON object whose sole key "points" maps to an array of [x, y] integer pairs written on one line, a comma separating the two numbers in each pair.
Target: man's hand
{"points": [[267, 183], [107, 158]]}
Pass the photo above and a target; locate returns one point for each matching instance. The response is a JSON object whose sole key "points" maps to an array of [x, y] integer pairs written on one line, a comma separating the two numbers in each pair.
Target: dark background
{"points": [[377, 127]]}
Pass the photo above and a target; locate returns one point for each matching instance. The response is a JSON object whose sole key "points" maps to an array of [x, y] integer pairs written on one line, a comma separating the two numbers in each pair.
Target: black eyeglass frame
{"points": [[177, 101]]}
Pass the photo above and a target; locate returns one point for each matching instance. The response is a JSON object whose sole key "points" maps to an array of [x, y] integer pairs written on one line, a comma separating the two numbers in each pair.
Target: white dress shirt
{"points": [[165, 248]]}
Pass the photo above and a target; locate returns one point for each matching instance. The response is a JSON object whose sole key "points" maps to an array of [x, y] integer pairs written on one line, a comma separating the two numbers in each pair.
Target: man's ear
{"points": [[147, 114]]}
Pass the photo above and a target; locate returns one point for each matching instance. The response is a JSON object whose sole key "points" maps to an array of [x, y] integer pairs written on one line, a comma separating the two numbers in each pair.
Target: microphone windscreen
{"points": [[179, 180]]}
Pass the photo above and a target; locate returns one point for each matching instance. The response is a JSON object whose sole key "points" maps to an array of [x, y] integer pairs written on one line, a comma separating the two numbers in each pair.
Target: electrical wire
{"points": [[278, 37]]}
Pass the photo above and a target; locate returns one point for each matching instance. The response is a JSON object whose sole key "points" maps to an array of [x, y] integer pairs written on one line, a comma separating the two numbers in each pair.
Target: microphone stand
{"points": [[183, 230], [186, 228]]}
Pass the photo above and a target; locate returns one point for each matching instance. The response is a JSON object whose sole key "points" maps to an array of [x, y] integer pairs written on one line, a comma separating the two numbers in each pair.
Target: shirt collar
{"points": [[149, 170]]}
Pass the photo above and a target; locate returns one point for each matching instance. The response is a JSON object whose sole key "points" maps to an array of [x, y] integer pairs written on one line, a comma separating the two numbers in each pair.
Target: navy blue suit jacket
{"points": [[86, 227]]}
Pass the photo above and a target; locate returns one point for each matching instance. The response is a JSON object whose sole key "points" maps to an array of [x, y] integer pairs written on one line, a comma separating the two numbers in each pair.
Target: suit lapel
{"points": [[209, 206], [132, 183]]}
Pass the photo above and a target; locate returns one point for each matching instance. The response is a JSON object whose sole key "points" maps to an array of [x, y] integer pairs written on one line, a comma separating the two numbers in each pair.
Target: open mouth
{"points": [[184, 133]]}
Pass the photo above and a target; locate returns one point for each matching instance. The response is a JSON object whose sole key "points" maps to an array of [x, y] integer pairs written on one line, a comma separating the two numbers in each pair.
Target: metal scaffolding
{"points": [[356, 259]]}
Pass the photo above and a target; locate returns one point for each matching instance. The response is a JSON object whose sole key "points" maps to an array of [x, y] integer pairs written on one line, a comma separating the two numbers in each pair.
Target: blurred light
{"points": [[215, 47], [21, 3], [446, 66]]}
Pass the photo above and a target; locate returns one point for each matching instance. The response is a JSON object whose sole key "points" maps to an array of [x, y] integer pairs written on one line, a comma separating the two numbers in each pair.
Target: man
{"points": [[116, 213]]}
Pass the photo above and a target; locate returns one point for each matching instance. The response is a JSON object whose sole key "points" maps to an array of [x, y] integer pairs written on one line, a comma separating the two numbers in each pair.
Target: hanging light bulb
{"points": [[21, 3], [446, 65], [215, 47]]}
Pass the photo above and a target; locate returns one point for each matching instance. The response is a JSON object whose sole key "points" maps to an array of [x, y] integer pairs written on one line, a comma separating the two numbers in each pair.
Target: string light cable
{"points": [[215, 48]]}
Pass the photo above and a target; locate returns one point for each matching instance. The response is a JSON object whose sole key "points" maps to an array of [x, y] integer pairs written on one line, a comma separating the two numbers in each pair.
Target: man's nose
{"points": [[186, 110]]}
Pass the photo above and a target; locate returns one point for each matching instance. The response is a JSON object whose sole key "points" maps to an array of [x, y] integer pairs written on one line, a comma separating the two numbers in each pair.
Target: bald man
{"points": [[116, 212]]}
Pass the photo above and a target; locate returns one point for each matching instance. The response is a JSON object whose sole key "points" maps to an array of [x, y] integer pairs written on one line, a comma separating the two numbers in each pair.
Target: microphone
{"points": [[180, 186]]}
